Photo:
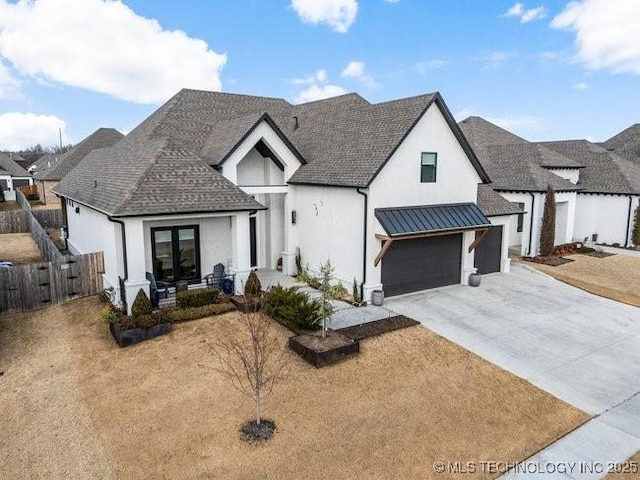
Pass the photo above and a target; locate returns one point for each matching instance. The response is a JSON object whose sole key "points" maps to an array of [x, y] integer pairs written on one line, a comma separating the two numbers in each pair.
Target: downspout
{"points": [[364, 242], [533, 204], [124, 246], [626, 240]]}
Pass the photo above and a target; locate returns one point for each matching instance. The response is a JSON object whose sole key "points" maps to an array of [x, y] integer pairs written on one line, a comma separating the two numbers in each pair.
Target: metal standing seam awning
{"points": [[402, 223]]}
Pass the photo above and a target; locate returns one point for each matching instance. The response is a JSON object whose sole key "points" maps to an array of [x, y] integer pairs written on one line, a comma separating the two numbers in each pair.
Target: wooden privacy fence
{"points": [[47, 248], [14, 221], [37, 285]]}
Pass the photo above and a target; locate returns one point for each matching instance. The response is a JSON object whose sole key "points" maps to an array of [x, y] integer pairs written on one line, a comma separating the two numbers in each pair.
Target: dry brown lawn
{"points": [[19, 248], [9, 205], [77, 406], [616, 277], [629, 469]]}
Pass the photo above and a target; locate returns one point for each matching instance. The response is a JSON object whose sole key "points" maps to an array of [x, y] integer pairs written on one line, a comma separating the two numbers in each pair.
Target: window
{"points": [[428, 164], [520, 218], [176, 253]]}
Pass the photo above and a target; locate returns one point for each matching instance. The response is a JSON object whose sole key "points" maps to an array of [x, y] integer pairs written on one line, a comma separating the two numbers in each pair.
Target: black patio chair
{"points": [[218, 277], [157, 289]]}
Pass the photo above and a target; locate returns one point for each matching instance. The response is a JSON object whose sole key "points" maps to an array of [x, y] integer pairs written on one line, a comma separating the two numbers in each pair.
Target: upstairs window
{"points": [[428, 164], [520, 218]]}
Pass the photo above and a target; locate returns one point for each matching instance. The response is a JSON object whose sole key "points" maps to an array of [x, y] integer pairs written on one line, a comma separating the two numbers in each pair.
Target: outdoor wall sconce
{"points": [[293, 217], [77, 209]]}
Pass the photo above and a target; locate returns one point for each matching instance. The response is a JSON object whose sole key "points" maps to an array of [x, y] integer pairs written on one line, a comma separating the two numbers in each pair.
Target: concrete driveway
{"points": [[581, 348]]}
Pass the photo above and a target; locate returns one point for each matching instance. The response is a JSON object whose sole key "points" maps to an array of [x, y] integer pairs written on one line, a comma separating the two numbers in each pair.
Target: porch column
{"points": [[135, 261], [468, 257], [240, 250]]}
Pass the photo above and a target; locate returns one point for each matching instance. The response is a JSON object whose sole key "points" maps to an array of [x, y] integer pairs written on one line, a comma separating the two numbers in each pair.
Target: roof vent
{"points": [[295, 122]]}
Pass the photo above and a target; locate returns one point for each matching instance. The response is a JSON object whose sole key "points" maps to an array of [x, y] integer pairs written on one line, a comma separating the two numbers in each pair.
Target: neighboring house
{"points": [[51, 168], [386, 191], [626, 143], [596, 190], [19, 159], [12, 176]]}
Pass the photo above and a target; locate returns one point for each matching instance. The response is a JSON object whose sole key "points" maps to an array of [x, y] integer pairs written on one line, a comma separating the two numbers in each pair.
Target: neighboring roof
{"points": [[44, 163], [605, 172], [10, 167], [101, 138], [492, 204], [430, 218], [626, 143], [151, 177], [19, 159]]}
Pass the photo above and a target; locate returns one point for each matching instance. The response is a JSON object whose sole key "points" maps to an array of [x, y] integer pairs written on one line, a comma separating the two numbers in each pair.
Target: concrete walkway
{"points": [[579, 347]]}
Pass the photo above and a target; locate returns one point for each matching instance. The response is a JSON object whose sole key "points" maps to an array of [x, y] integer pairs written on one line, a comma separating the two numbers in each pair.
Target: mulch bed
{"points": [[551, 261], [598, 254], [371, 329]]}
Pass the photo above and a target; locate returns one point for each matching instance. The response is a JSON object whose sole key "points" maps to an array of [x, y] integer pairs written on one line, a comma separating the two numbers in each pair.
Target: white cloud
{"points": [[338, 14], [358, 71], [22, 130], [9, 85], [606, 33], [580, 86], [433, 64], [319, 76], [105, 47], [518, 10], [316, 92], [495, 60]]}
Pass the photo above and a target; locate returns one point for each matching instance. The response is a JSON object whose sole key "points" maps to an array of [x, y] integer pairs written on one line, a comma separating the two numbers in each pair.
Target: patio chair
{"points": [[218, 277], [156, 289]]}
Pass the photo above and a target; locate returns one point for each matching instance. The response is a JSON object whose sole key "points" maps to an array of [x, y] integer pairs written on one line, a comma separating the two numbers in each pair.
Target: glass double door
{"points": [[176, 253]]}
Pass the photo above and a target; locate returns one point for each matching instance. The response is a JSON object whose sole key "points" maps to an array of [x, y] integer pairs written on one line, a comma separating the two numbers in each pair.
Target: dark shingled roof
{"points": [[10, 167], [44, 163], [101, 138], [342, 141], [514, 163], [430, 218], [626, 143], [141, 178], [492, 204], [605, 172]]}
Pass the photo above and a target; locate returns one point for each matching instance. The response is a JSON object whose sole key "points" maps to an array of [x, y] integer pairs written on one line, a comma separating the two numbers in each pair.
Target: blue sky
{"points": [[548, 70]]}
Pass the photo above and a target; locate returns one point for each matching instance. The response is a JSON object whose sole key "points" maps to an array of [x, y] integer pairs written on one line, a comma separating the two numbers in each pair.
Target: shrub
{"points": [[141, 305], [298, 262], [293, 307], [355, 292], [252, 287], [186, 314], [197, 298], [548, 229], [2, 199], [337, 290], [635, 233], [109, 314]]}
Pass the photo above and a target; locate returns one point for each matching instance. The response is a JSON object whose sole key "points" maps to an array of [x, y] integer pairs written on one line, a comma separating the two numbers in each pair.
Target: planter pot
{"points": [[475, 279], [124, 338], [377, 298]]}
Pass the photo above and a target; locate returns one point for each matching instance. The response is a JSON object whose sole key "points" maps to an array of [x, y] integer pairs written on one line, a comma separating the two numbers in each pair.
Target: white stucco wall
{"points": [[329, 225], [91, 231], [571, 174], [254, 169], [605, 215], [398, 184]]}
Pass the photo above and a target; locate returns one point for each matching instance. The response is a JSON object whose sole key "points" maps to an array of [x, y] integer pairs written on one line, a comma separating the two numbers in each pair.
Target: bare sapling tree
{"points": [[254, 363], [326, 272]]}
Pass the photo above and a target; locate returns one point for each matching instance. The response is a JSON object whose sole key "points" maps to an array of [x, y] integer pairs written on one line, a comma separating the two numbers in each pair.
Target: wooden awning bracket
{"points": [[478, 239], [385, 248]]}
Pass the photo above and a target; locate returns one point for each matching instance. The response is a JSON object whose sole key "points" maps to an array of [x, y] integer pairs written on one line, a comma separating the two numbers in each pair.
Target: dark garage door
{"points": [[487, 259], [414, 265]]}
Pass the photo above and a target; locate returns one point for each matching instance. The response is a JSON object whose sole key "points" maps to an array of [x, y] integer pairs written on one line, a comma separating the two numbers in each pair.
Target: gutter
{"points": [[626, 240], [364, 242], [124, 246], [533, 204]]}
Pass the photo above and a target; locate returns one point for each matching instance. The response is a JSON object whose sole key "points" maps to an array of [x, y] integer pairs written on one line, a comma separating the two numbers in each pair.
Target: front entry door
{"points": [[176, 253], [253, 241]]}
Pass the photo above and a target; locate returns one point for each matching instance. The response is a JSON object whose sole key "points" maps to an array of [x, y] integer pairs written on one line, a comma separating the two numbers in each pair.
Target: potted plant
{"points": [[143, 324], [251, 300]]}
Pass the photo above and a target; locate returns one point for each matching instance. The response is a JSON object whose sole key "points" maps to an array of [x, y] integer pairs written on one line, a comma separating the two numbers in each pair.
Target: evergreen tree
{"points": [[548, 230]]}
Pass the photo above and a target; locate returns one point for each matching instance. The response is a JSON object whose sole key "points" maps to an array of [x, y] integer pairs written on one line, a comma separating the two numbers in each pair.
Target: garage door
{"points": [[488, 253], [421, 263]]}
